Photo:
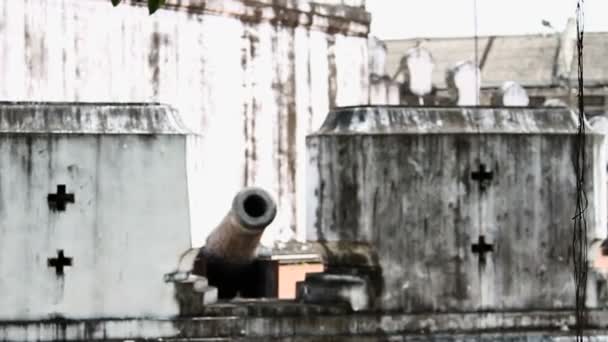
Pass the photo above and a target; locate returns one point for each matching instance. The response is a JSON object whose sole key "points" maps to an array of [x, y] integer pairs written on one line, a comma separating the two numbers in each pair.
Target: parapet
{"points": [[462, 209], [89, 118], [95, 207], [371, 120]]}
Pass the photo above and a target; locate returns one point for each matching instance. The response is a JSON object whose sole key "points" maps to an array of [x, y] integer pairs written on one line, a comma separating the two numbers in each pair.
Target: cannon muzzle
{"points": [[228, 255], [236, 239]]}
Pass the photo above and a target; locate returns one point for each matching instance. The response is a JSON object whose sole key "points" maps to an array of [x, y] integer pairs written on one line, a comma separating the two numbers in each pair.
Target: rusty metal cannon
{"points": [[231, 247]]}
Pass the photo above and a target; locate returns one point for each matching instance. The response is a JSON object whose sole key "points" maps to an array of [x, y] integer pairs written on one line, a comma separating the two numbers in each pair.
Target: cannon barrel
{"points": [[236, 239], [229, 253]]}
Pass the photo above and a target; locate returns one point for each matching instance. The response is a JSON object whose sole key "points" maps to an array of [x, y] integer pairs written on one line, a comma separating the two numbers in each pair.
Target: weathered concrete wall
{"points": [[284, 321], [253, 78], [403, 180], [125, 227]]}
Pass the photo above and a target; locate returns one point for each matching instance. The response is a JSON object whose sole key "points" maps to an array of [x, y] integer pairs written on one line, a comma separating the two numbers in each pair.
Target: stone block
{"points": [[555, 103], [377, 56], [419, 65], [510, 94], [209, 294], [323, 288], [384, 91], [193, 294], [464, 83], [599, 123]]}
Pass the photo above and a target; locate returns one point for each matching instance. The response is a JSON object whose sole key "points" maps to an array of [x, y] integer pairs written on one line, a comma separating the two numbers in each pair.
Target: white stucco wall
{"points": [[252, 79], [129, 222]]}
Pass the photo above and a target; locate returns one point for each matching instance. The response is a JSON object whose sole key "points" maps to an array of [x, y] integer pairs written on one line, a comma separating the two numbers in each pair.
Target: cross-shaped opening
{"points": [[59, 262], [59, 200], [481, 248], [482, 176]]}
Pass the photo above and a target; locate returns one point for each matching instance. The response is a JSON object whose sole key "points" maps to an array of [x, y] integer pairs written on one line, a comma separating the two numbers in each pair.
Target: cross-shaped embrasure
{"points": [[482, 176], [481, 248], [59, 262], [58, 201]]}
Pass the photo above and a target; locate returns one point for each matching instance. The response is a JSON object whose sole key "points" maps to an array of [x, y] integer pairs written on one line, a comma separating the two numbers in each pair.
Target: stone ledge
{"points": [[89, 118], [550, 324], [382, 120], [331, 18], [599, 336]]}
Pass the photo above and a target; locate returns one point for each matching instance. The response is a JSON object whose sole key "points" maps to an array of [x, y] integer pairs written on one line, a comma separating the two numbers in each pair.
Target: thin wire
{"points": [[479, 137], [579, 238], [477, 68]]}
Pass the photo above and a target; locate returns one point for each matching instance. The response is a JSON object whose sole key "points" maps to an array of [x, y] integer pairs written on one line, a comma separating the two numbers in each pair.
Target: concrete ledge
{"points": [[332, 18], [378, 120], [546, 325], [89, 118], [595, 336]]}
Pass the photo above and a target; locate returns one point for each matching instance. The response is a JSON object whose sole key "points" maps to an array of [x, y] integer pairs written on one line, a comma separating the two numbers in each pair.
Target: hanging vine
{"points": [[579, 239]]}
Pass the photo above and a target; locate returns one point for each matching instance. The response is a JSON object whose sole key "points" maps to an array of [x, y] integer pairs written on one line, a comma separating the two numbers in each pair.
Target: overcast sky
{"points": [[394, 19]]}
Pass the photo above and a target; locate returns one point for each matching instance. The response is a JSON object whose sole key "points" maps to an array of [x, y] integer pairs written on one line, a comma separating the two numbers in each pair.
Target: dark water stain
{"points": [[279, 93], [157, 40], [27, 38], [97, 196], [309, 81], [252, 18], [28, 171], [318, 224], [283, 16], [333, 71], [247, 145], [291, 123], [462, 146], [250, 105], [255, 109]]}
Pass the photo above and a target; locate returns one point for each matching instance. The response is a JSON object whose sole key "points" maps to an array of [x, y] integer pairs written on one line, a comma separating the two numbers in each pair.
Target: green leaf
{"points": [[153, 5], [116, 2]]}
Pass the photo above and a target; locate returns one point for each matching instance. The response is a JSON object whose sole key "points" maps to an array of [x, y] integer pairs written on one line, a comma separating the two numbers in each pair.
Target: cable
{"points": [[579, 237], [477, 68]]}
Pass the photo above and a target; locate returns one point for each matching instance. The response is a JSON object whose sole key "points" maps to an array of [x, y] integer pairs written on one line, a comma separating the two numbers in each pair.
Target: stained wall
{"points": [[252, 78], [468, 209], [90, 216]]}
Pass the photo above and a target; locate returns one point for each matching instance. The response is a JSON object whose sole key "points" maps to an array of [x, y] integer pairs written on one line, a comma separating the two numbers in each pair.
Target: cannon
{"points": [[230, 250]]}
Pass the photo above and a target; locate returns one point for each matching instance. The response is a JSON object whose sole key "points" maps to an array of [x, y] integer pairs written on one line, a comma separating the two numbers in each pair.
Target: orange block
{"points": [[291, 273]]}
